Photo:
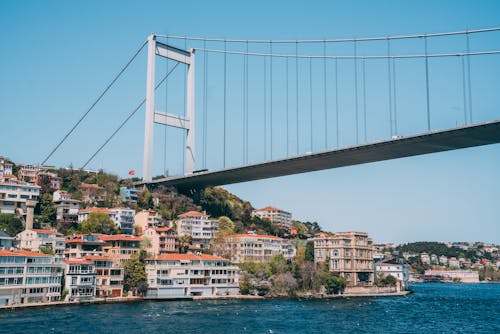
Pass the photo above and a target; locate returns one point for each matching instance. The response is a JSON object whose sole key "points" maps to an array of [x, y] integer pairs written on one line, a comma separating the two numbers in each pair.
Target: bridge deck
{"points": [[430, 142]]}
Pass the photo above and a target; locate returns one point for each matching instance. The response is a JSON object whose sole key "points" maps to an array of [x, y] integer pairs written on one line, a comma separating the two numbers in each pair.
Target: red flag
{"points": [[131, 172]]}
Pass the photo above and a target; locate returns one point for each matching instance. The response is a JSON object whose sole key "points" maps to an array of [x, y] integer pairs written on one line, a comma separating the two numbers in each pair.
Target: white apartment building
{"points": [[188, 275], [274, 215], [36, 239], [254, 248], [80, 281], [395, 269], [29, 277], [66, 208], [198, 226], [122, 217], [14, 194], [350, 254]]}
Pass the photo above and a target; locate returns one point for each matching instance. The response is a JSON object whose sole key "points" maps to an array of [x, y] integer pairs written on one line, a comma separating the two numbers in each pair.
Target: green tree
{"points": [[11, 224], [278, 264], [134, 275], [99, 222], [226, 225], [47, 209], [309, 256], [334, 284]]}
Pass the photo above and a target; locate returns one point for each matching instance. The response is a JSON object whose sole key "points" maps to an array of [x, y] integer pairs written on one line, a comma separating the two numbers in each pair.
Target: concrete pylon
{"points": [[30, 209]]}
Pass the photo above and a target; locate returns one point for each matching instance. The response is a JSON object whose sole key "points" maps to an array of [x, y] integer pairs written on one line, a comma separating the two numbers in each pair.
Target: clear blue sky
{"points": [[57, 55]]}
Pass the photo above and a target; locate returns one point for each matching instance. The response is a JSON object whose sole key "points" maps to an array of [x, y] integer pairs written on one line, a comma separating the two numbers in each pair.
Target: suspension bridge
{"points": [[279, 107]]}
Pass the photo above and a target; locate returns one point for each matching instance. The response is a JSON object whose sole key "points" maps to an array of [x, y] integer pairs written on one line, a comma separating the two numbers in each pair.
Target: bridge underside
{"points": [[430, 142]]}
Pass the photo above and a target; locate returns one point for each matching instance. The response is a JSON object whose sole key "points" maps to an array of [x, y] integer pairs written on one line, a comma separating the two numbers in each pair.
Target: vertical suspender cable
{"points": [[464, 89], [271, 97], [324, 94], [394, 96], [243, 107], [337, 102], [390, 83], [225, 102], [427, 85], [364, 100], [185, 108], [468, 75], [311, 103], [297, 91], [356, 89], [246, 105], [265, 108], [205, 121], [286, 107]]}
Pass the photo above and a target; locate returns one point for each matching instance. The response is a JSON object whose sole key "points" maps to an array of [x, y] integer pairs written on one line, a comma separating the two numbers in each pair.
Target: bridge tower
{"points": [[187, 123]]}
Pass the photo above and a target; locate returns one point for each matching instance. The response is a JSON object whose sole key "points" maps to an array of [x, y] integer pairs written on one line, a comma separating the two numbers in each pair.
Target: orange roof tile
{"points": [[98, 258], [269, 208], [193, 213], [162, 229], [45, 231], [22, 253], [118, 237], [78, 261], [186, 257], [255, 236]]}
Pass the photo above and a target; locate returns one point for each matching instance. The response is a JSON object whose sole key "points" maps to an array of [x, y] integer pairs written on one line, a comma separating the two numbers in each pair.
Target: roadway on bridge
{"points": [[431, 142]]}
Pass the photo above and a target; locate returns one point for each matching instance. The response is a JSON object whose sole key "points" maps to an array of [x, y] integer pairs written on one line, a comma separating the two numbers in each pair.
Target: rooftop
{"points": [[255, 236], [22, 253], [193, 214], [118, 237], [186, 257]]}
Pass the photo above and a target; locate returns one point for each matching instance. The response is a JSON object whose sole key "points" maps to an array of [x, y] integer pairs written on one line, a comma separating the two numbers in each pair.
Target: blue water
{"points": [[433, 308]]}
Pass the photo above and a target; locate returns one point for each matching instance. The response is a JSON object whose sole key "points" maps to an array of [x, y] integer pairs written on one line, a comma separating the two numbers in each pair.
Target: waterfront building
{"points": [[82, 245], [37, 240], [162, 240], [120, 247], [434, 259], [461, 276], [128, 195], [14, 195], [29, 277], [80, 280], [109, 276], [453, 262], [396, 269], [146, 219], [350, 254], [92, 193], [187, 275], [122, 217], [198, 226], [274, 215], [253, 248], [443, 260], [6, 241]]}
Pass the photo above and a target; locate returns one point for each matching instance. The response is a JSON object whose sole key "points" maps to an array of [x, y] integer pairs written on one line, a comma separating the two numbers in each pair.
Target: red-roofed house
{"points": [[187, 275], [198, 226], [162, 240], [80, 280], [275, 216], [109, 276], [92, 193], [37, 239], [81, 245], [120, 247]]}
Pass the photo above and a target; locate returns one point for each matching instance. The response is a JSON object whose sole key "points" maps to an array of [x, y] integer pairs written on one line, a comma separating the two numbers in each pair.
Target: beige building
{"points": [[163, 240], [348, 253], [109, 276], [120, 247], [146, 219], [29, 277], [275, 216], [253, 248], [36, 239], [82, 245], [14, 194], [187, 275], [199, 226]]}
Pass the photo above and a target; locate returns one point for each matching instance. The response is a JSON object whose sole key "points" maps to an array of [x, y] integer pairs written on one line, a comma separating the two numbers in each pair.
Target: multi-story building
{"points": [[45, 176], [66, 208], [5, 168], [162, 240], [92, 193], [27, 173], [198, 226], [109, 277], [82, 245], [6, 241], [350, 254], [129, 195], [187, 275], [122, 217], [146, 219], [80, 281], [398, 270], [275, 216], [425, 258], [120, 247], [462, 276], [29, 277], [453, 262], [443, 260], [253, 248], [38, 239], [14, 194]]}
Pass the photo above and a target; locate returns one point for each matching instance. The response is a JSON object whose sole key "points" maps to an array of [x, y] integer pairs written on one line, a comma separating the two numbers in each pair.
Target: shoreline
{"points": [[198, 298]]}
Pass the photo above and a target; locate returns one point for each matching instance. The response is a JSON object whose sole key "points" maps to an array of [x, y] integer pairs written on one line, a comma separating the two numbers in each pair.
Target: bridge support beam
{"points": [[187, 123]]}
